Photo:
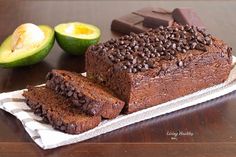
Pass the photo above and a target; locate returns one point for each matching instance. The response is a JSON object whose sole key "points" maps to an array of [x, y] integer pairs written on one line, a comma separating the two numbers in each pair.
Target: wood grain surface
{"points": [[206, 130]]}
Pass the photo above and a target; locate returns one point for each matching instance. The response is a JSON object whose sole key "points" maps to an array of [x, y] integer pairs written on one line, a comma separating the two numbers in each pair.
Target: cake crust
{"points": [[152, 72]]}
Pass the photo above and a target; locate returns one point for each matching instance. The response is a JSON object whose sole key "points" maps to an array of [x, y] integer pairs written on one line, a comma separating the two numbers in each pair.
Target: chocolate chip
{"points": [[150, 64], [70, 93], [187, 27], [129, 70], [124, 67], [82, 101], [130, 57], [180, 63], [187, 47], [71, 127], [145, 67], [134, 70], [75, 95], [173, 46], [136, 47], [193, 45], [208, 40], [161, 37], [184, 50], [62, 127], [172, 52], [139, 66], [201, 47], [200, 39], [172, 57], [167, 57], [134, 61], [179, 49]]}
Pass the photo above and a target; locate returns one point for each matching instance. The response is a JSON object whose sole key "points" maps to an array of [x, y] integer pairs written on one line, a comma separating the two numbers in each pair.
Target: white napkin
{"points": [[46, 137]]}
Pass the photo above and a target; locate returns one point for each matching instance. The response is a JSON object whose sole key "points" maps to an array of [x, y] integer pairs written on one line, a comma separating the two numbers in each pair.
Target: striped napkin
{"points": [[47, 137]]}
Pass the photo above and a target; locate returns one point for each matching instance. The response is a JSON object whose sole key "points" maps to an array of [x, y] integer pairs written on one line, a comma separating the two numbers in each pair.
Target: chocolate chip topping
{"points": [[139, 52], [56, 82]]}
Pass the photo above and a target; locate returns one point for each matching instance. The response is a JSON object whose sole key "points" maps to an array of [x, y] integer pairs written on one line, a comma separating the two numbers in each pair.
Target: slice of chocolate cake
{"points": [[154, 67], [59, 111], [90, 97]]}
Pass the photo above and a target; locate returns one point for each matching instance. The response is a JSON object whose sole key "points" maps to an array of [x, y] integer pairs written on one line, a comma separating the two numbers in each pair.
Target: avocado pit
{"points": [[26, 36]]}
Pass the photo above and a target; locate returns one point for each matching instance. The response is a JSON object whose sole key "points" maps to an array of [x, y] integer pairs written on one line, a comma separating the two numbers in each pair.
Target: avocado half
{"points": [[79, 37], [9, 59]]}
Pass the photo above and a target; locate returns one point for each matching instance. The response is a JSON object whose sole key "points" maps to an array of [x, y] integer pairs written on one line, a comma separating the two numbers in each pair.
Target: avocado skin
{"points": [[74, 46], [33, 59]]}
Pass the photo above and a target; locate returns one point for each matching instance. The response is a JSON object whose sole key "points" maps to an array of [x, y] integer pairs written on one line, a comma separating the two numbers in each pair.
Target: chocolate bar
{"points": [[146, 18], [155, 17], [129, 23], [187, 16], [142, 20]]}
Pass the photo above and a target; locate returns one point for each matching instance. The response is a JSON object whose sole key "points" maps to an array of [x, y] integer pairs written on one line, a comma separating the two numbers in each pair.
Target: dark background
{"points": [[219, 17], [213, 123]]}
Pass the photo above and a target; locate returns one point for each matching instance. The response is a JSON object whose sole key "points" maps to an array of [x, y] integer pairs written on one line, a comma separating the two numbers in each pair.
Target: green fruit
{"points": [[76, 37], [26, 56]]}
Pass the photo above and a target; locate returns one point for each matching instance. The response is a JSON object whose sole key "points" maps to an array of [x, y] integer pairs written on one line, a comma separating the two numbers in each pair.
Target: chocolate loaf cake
{"points": [[91, 98], [58, 111], [154, 67]]}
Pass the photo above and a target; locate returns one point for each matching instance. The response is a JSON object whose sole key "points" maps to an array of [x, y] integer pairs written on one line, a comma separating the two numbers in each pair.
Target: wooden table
{"points": [[210, 128]]}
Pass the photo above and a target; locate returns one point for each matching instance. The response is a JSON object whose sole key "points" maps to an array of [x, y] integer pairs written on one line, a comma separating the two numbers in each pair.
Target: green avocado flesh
{"points": [[79, 37], [24, 57]]}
